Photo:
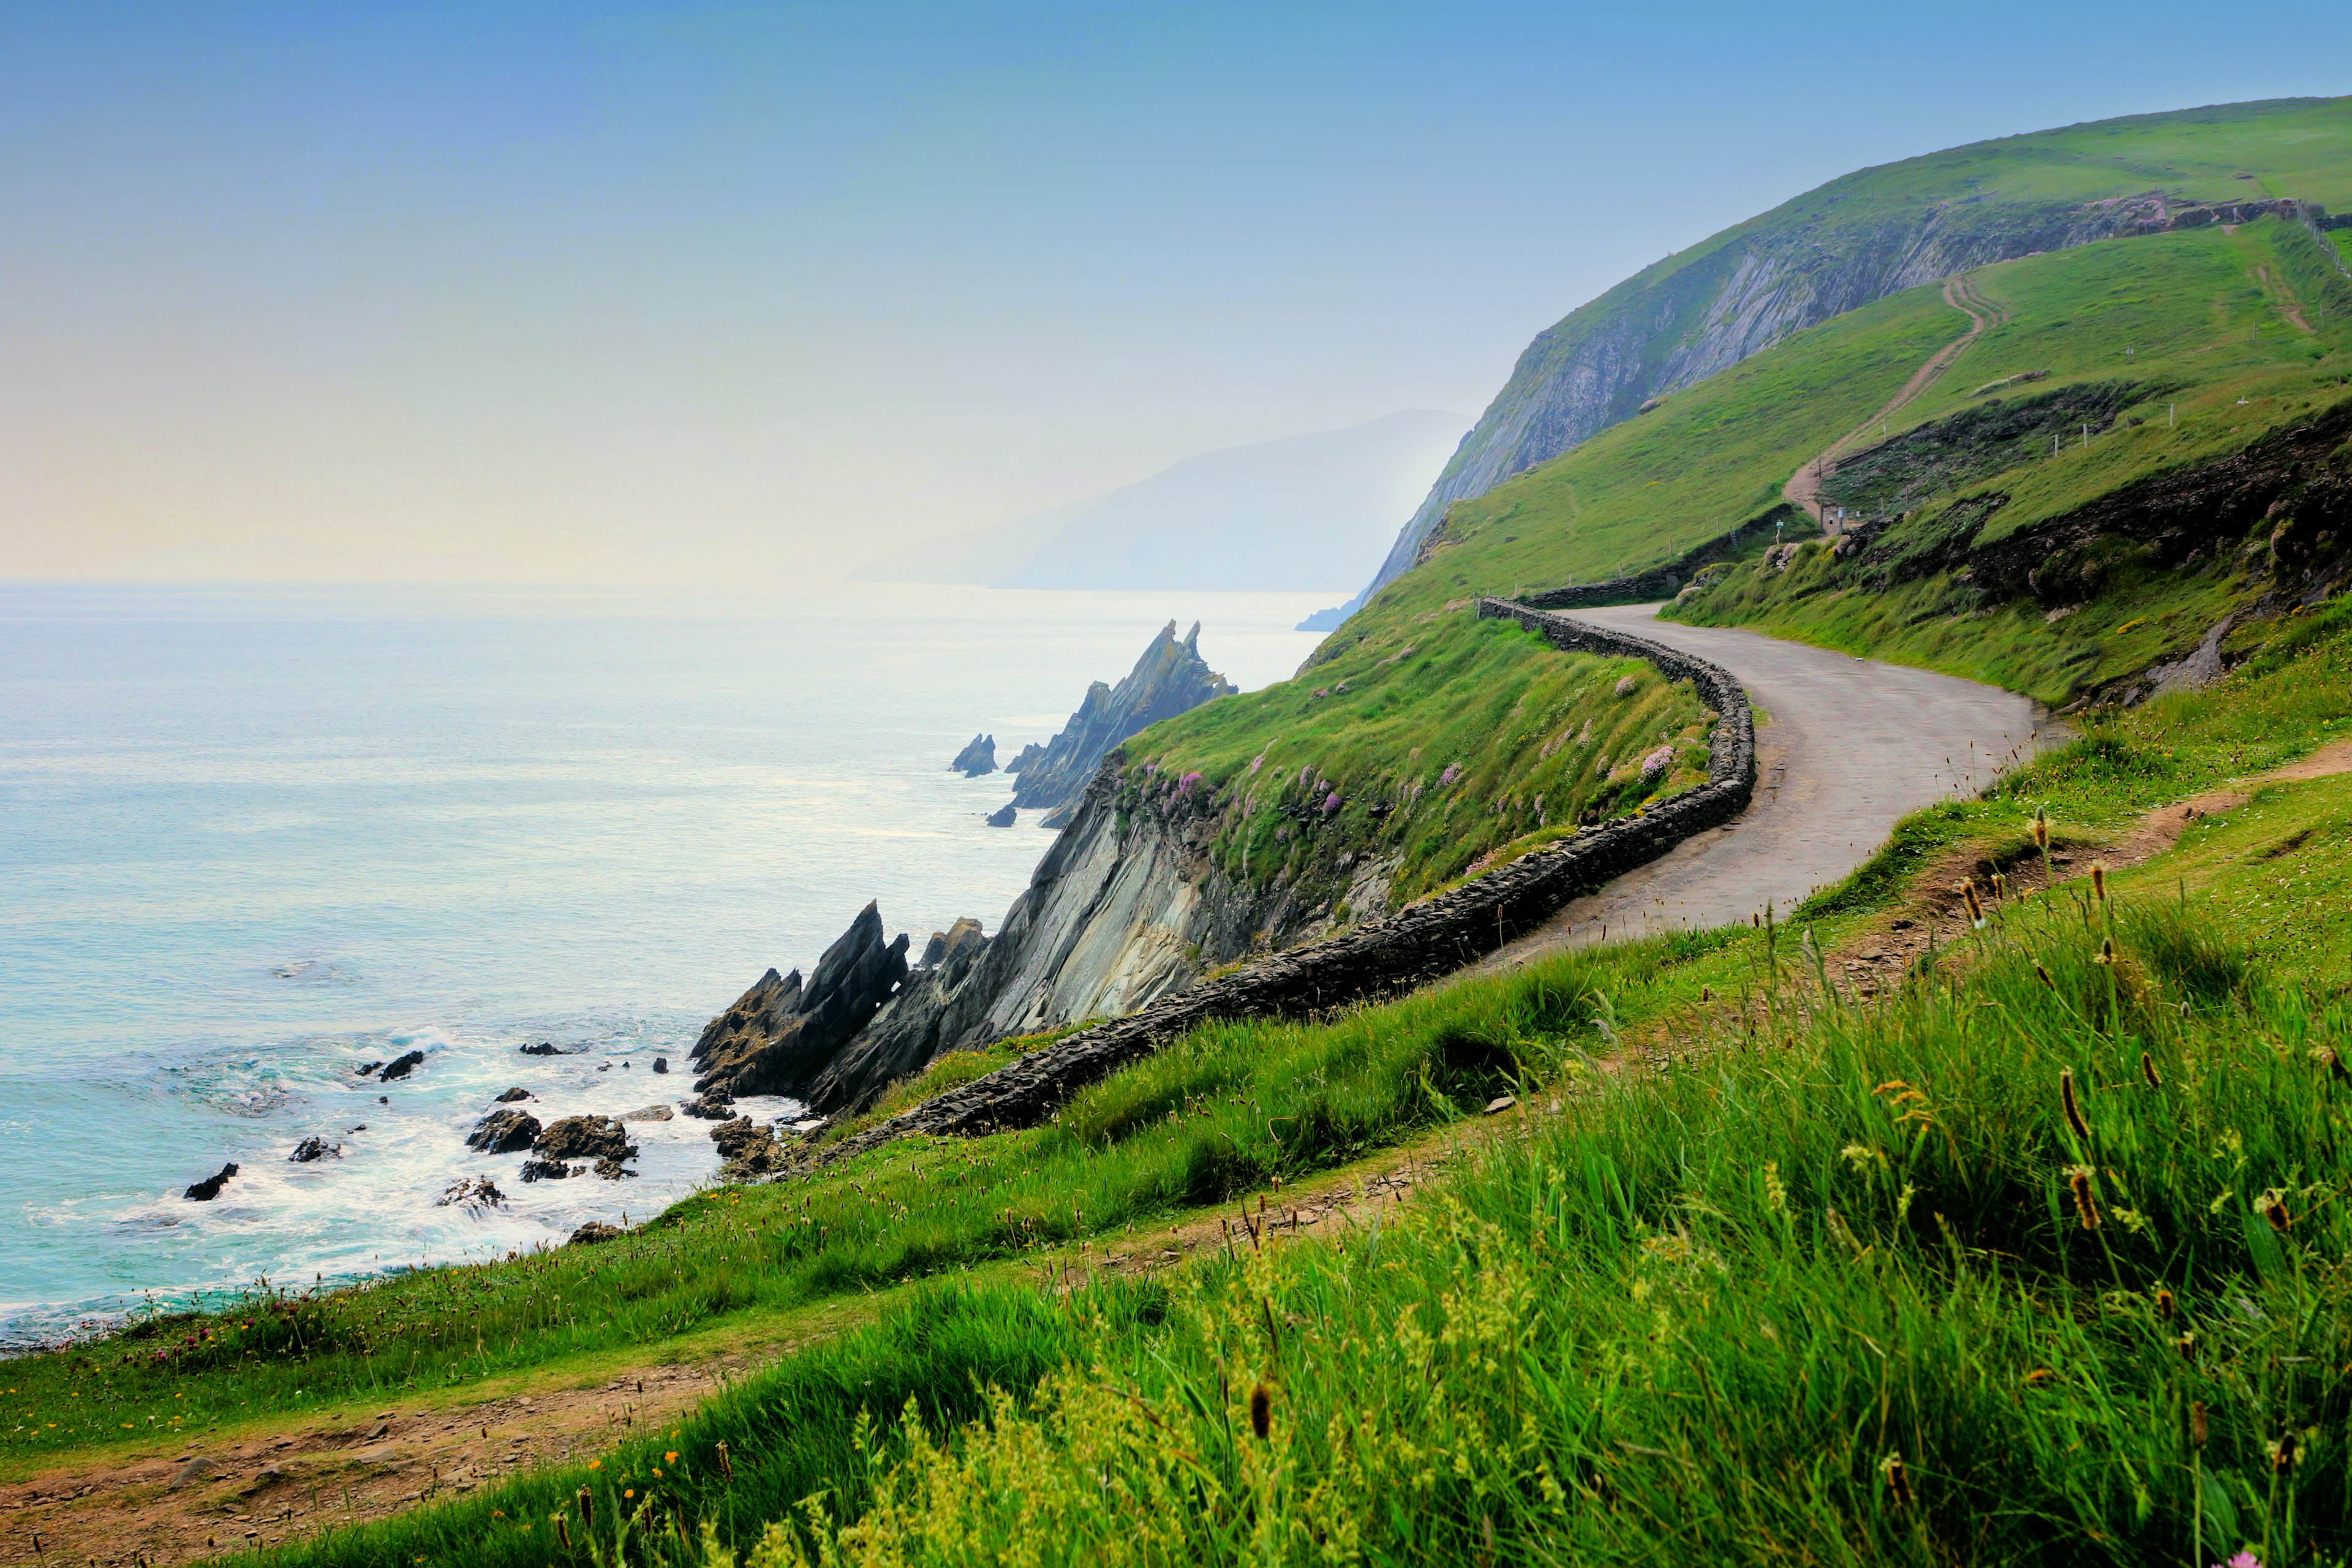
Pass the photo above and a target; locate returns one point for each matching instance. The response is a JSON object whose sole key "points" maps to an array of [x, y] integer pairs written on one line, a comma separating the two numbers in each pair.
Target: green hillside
{"points": [[1868, 233]]}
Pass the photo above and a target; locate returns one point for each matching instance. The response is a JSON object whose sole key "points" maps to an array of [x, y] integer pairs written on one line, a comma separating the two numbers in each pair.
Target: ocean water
{"points": [[250, 841]]}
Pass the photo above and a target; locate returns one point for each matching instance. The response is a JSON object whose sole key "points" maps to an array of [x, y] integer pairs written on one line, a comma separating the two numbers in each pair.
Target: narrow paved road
{"points": [[1844, 747]]}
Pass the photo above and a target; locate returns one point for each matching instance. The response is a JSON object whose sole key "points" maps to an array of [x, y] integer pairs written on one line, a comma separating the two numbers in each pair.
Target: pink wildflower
{"points": [[1453, 771], [1331, 802]]}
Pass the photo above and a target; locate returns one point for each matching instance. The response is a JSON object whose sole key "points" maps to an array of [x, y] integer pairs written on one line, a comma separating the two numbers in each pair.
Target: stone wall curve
{"points": [[1421, 943]]}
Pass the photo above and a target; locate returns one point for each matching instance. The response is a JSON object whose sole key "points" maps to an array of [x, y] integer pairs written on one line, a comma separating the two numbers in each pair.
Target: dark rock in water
{"points": [[473, 1193], [208, 1189], [593, 1231], [503, 1133], [537, 1169], [612, 1170], [940, 1003], [311, 1149], [715, 1106], [511, 1096], [648, 1113], [661, 1064], [780, 1034], [402, 1066], [978, 758], [747, 1150], [369, 1068], [1170, 679], [544, 1049], [1004, 815], [584, 1137]]}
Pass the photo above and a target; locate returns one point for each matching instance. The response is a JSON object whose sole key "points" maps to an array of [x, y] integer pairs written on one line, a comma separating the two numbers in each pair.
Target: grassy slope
{"points": [[1693, 1313], [2299, 148], [2206, 316]]}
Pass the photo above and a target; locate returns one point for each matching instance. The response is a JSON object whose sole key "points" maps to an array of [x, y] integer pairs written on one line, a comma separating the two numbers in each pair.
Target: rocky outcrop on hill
{"points": [[780, 1034], [1170, 679], [1855, 241], [938, 1007], [978, 758], [1418, 943]]}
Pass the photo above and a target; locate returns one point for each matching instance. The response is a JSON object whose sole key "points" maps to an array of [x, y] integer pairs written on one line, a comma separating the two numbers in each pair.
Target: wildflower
{"points": [[2148, 1071], [1331, 803], [2074, 1109], [1898, 1480], [1262, 1411], [670, 1458], [2078, 1182], [1776, 1192], [2241, 1559], [1860, 1156], [1307, 775]]}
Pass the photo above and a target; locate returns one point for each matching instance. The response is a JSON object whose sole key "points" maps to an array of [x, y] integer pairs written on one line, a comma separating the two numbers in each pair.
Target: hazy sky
{"points": [[583, 292]]}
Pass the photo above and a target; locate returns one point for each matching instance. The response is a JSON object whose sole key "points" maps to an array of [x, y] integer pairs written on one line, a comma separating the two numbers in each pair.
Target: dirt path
{"points": [[200, 1497], [1803, 489], [1936, 909]]}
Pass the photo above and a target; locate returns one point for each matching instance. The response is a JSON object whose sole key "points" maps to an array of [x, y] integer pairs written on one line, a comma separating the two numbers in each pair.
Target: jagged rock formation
{"points": [[1004, 815], [1170, 679], [978, 758], [780, 1034], [938, 1008], [582, 1138], [1844, 245], [1416, 944], [504, 1132]]}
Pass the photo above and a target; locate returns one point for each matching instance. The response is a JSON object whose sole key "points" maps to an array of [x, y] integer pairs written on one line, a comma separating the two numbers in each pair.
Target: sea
{"points": [[253, 840]]}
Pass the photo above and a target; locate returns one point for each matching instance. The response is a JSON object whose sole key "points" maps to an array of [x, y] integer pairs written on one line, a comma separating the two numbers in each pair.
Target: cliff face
{"points": [[1170, 679]]}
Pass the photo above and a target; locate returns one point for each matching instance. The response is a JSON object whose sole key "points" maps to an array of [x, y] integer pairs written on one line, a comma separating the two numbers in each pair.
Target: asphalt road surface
{"points": [[1844, 747]]}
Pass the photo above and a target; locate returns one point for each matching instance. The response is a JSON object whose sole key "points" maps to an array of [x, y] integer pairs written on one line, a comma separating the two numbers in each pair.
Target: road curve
{"points": [[1844, 747]]}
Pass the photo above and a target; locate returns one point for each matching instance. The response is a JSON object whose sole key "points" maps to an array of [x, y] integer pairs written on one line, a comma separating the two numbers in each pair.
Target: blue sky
{"points": [[602, 293]]}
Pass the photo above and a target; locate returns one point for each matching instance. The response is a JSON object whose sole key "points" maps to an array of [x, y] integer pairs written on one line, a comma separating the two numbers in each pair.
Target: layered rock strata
{"points": [[780, 1034], [1381, 956], [1170, 679]]}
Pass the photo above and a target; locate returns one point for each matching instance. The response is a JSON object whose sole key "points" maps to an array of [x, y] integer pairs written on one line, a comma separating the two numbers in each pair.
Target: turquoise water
{"points": [[249, 841]]}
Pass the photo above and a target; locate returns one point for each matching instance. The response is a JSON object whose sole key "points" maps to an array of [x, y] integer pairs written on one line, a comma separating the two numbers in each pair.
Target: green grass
{"points": [[1611, 1341], [1452, 741]]}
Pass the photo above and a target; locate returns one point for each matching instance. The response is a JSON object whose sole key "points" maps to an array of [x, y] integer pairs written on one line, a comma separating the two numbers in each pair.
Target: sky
{"points": [[681, 293]]}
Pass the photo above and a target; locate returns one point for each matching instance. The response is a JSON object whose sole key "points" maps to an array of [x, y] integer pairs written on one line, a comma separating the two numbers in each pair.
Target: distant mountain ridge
{"points": [[1307, 511]]}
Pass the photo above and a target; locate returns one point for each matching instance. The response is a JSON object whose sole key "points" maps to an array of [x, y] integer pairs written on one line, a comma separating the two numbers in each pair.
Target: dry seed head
{"points": [[1262, 1411], [2275, 1212], [2099, 880], [587, 1506], [2187, 1345], [2000, 887], [2163, 1305], [2073, 1108], [2041, 828], [725, 1465], [563, 1532], [1898, 1479], [2078, 1182], [2148, 1071], [2283, 1453], [2197, 1428], [2106, 953], [2043, 975], [1976, 908]]}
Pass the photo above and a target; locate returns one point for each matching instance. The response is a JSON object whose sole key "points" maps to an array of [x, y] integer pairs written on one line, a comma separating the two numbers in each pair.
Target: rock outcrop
{"points": [[1004, 816], [472, 1194], [311, 1149], [208, 1189], [978, 758], [1418, 943], [402, 1066], [1170, 679], [512, 1095], [584, 1137], [504, 1132], [780, 1034], [594, 1231], [940, 1004]]}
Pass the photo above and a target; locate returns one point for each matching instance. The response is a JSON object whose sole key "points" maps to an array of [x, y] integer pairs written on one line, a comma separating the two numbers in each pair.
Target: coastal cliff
{"points": [[1171, 678]]}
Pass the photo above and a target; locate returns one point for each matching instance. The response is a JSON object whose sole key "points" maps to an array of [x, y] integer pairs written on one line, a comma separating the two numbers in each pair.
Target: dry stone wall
{"points": [[1380, 957]]}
